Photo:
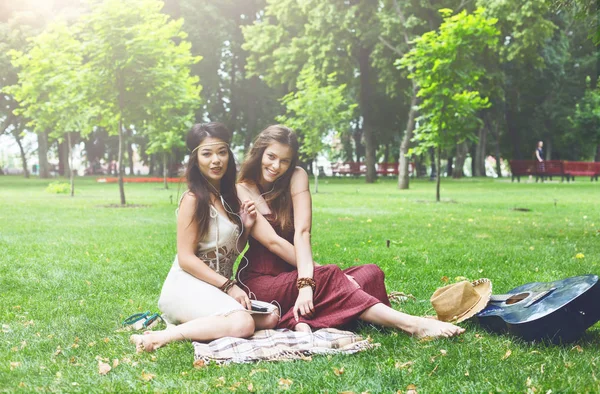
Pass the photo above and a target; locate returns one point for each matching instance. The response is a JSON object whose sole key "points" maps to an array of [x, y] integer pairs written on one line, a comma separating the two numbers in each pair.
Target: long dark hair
{"points": [[198, 184], [279, 199]]}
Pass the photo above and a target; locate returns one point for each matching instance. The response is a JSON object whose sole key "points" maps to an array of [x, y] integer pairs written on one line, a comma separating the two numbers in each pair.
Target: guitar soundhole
{"points": [[517, 298]]}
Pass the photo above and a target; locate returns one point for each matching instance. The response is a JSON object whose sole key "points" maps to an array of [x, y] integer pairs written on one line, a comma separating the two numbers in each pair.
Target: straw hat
{"points": [[459, 301]]}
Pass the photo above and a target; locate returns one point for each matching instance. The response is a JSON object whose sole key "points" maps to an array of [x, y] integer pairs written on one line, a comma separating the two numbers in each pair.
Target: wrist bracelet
{"points": [[227, 285], [304, 282]]}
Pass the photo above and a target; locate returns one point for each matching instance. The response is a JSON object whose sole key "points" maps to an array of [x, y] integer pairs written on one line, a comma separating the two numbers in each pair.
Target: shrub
{"points": [[59, 188]]}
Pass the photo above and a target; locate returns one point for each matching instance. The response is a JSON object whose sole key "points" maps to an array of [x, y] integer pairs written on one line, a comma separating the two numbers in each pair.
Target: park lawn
{"points": [[71, 269]]}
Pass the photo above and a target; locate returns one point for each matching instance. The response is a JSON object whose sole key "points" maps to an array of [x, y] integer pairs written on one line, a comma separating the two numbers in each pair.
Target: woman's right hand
{"points": [[240, 296], [304, 303]]}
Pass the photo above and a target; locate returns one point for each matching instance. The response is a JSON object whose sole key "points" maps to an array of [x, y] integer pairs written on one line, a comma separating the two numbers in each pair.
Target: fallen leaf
{"points": [[91, 344], [147, 376], [444, 352], [250, 387], [411, 389], [106, 340], [58, 375], [542, 369], [285, 383], [115, 363], [578, 348], [579, 256], [338, 372], [444, 279], [507, 354], [254, 371], [74, 384], [22, 384], [407, 364], [58, 351], [467, 373], [103, 368], [460, 278], [528, 381], [198, 364], [14, 364]]}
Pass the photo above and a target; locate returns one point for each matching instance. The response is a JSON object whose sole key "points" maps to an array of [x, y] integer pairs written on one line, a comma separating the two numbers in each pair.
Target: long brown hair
{"points": [[198, 185], [279, 198]]}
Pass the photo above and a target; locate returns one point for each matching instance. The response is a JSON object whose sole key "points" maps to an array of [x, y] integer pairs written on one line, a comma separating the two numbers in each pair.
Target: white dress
{"points": [[185, 297]]}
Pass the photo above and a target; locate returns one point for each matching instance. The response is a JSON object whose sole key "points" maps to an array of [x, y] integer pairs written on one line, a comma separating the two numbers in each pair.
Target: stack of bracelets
{"points": [[228, 285], [303, 282]]}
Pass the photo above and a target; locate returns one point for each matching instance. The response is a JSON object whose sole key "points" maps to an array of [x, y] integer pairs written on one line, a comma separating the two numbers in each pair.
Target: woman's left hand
{"points": [[248, 214], [304, 303]]}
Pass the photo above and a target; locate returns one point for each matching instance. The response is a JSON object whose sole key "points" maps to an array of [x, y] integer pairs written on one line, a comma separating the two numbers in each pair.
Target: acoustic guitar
{"points": [[558, 311]]}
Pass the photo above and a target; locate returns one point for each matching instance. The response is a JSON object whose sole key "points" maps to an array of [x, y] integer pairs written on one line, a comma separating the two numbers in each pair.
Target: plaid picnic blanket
{"points": [[280, 345]]}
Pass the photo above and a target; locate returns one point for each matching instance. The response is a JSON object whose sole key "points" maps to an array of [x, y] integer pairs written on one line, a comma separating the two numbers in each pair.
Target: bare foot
{"points": [[302, 327], [432, 328], [145, 343]]}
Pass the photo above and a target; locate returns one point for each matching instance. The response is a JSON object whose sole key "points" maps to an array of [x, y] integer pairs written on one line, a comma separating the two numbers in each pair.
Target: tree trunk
{"points": [[129, 145], [120, 163], [70, 161], [365, 102], [358, 147], [22, 152], [316, 173], [497, 148], [480, 151], [439, 163], [404, 145], [450, 166], [513, 132], [461, 156], [151, 161], [251, 112], [548, 146], [347, 146], [433, 169], [44, 168], [63, 159], [165, 169]]}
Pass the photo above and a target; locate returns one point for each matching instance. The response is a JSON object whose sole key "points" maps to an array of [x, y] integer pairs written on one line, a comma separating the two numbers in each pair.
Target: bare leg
{"points": [[237, 324], [302, 327], [266, 322], [419, 327]]}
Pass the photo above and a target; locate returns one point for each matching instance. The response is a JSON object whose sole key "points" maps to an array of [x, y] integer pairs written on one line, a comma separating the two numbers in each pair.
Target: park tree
{"points": [[172, 110], [129, 44], [444, 64], [14, 33], [314, 110], [586, 120], [51, 88], [333, 35], [244, 103]]}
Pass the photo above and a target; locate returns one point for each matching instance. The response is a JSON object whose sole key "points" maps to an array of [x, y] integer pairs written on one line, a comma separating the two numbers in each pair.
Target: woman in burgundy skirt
{"points": [[279, 263]]}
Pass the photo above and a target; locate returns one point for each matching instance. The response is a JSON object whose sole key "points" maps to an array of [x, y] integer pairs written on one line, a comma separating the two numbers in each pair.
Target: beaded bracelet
{"points": [[303, 282], [228, 285]]}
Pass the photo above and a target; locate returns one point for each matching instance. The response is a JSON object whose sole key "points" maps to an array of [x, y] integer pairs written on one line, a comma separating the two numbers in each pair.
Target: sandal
{"points": [[139, 321]]}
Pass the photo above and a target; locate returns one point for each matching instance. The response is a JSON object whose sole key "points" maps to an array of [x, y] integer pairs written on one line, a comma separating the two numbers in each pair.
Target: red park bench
{"points": [[349, 168], [360, 168], [582, 168], [541, 170], [520, 168]]}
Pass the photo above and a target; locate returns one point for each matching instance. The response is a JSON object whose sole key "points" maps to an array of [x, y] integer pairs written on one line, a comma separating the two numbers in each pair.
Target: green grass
{"points": [[71, 269]]}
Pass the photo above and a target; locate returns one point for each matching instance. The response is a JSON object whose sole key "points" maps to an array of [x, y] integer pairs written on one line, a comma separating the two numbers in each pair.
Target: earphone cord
{"points": [[228, 209]]}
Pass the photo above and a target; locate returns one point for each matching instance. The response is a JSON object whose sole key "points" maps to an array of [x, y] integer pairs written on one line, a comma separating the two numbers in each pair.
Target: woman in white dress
{"points": [[199, 297]]}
